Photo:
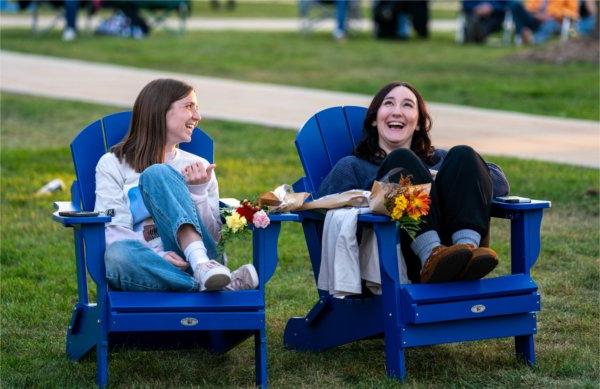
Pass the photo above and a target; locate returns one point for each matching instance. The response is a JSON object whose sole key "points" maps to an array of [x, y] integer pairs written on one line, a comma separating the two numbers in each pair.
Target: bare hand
{"points": [[196, 173], [176, 260]]}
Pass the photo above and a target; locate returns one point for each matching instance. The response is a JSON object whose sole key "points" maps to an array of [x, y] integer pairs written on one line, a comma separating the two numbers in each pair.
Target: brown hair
{"points": [[368, 148], [145, 142]]}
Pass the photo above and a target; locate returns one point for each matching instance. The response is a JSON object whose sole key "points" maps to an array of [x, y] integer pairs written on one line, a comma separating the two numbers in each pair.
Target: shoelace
{"points": [[236, 284]]}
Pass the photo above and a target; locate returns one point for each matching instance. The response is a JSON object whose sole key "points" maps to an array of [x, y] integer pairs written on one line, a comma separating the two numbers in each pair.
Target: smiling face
{"points": [[182, 118], [397, 119]]}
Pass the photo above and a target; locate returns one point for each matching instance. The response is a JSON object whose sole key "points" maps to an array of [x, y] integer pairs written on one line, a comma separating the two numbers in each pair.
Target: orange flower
{"points": [[418, 204]]}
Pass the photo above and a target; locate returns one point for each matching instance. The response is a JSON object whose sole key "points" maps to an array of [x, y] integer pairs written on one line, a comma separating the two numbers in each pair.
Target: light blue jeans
{"points": [[130, 265], [546, 31]]}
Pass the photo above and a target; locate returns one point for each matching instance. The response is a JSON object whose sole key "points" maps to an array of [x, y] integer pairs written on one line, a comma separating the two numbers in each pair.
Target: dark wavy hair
{"points": [[368, 148], [145, 142]]}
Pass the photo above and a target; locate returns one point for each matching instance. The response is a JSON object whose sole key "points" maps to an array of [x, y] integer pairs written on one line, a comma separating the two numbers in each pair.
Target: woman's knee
{"points": [[409, 164], [463, 155], [462, 152], [403, 154], [156, 171]]}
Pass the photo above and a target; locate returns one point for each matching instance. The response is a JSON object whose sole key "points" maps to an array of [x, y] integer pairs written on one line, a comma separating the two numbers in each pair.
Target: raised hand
{"points": [[197, 173]]}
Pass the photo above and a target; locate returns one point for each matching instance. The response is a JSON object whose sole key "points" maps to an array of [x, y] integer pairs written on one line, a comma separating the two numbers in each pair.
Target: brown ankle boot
{"points": [[482, 262], [445, 263]]}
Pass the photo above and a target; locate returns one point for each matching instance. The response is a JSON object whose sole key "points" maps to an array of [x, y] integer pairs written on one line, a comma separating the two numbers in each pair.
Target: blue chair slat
{"points": [[180, 321], [217, 321], [86, 149], [456, 291], [337, 139], [166, 302], [466, 330], [409, 315], [201, 144], [474, 308], [313, 154], [355, 117], [115, 127]]}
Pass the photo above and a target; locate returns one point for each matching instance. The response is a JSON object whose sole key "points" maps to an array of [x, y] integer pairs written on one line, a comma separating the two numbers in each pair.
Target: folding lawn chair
{"points": [[217, 321], [410, 315]]}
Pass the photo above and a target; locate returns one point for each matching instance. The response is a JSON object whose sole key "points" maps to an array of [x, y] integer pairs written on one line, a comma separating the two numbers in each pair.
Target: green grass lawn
{"points": [[39, 287], [482, 76]]}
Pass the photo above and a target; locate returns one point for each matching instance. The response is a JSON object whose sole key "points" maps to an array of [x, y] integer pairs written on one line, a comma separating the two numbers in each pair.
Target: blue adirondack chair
{"points": [[410, 315], [216, 321]]}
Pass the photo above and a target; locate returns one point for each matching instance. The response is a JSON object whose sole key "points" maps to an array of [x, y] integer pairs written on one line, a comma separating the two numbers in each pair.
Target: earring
{"points": [[374, 123]]}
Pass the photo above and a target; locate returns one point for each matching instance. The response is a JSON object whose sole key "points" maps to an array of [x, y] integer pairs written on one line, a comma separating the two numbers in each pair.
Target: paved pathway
{"points": [[199, 23], [489, 131]]}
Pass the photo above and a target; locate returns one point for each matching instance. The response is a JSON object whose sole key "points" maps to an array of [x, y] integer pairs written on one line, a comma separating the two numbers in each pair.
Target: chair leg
{"points": [[102, 363], [525, 348], [81, 334], [395, 364], [260, 355], [326, 325], [102, 343]]}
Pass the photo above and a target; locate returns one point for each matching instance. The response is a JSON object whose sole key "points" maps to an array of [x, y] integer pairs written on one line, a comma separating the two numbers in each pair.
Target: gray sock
{"points": [[424, 244], [466, 236]]}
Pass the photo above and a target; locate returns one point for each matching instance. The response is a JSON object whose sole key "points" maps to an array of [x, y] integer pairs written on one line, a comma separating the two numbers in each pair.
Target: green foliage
{"points": [[482, 76], [39, 287]]}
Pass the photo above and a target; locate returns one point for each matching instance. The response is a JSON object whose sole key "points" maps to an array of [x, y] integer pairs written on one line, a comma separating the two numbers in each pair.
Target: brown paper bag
{"points": [[377, 198], [350, 198], [282, 199]]}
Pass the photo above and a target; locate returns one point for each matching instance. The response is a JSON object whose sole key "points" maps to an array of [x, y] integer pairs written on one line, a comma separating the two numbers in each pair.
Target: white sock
{"points": [[195, 253]]}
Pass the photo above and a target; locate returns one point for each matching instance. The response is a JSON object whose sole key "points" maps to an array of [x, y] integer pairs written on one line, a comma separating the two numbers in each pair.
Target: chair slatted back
{"points": [[97, 138], [325, 138]]}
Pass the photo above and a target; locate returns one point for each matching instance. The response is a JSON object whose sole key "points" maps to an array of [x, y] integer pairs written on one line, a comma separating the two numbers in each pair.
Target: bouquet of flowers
{"points": [[238, 219], [403, 202]]}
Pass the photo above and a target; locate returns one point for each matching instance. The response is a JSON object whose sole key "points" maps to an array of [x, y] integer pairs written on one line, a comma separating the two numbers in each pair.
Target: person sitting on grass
{"points": [[537, 20], [166, 201], [396, 135]]}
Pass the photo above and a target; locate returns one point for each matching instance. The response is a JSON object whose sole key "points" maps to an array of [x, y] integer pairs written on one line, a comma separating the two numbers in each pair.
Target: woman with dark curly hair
{"points": [[396, 135]]}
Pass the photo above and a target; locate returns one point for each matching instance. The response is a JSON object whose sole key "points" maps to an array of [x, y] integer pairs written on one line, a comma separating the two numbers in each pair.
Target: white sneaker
{"points": [[69, 34], [244, 278], [212, 275]]}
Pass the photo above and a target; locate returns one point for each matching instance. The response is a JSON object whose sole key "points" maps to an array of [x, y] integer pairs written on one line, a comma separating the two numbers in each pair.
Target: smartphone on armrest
{"points": [[513, 199]]}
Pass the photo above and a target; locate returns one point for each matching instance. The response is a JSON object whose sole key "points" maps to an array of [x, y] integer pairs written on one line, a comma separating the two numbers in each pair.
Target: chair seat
{"points": [[500, 296], [459, 291], [246, 300]]}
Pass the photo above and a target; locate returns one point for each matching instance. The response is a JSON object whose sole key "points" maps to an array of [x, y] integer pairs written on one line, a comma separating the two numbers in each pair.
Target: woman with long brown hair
{"points": [[166, 224], [396, 135]]}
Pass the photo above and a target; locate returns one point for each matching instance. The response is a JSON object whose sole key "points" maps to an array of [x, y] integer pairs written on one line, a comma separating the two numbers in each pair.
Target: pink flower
{"points": [[261, 219]]}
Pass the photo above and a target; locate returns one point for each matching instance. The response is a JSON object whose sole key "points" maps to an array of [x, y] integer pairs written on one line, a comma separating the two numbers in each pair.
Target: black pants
{"points": [[386, 12], [478, 28], [461, 195]]}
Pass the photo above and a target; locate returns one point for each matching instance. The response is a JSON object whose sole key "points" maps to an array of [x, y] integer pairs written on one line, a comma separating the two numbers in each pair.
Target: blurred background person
{"points": [[482, 18], [588, 14], [536, 21], [392, 19]]}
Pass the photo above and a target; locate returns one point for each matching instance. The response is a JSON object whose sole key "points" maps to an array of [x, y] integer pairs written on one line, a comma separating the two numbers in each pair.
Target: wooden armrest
{"points": [[285, 217], [534, 204], [67, 221], [364, 217]]}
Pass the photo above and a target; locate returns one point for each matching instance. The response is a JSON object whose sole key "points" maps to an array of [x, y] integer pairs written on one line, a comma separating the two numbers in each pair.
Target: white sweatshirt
{"points": [[116, 186]]}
